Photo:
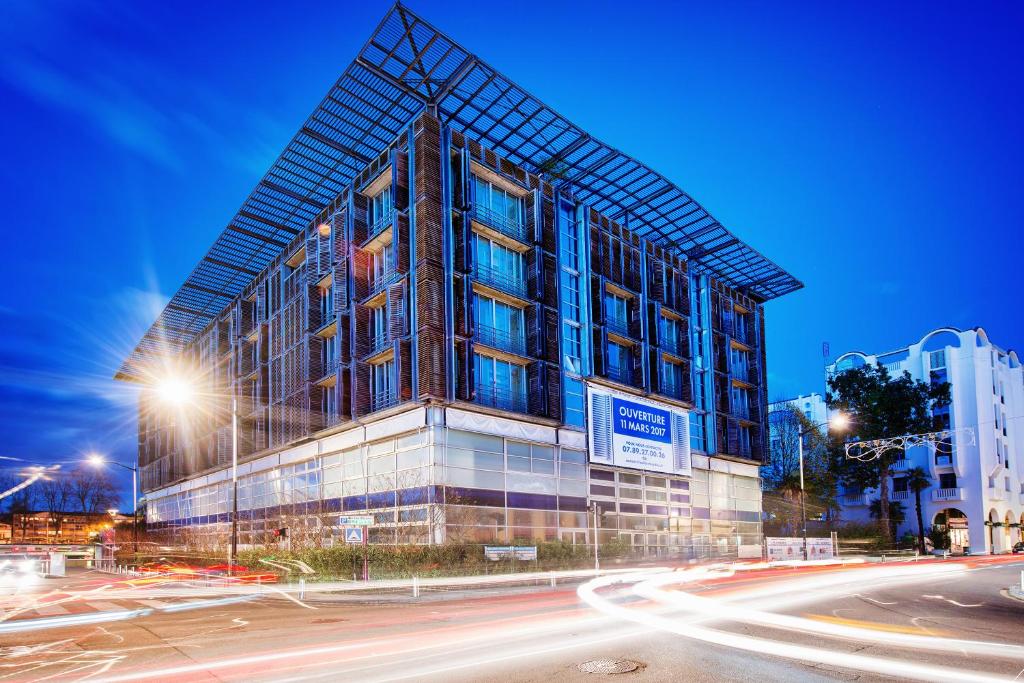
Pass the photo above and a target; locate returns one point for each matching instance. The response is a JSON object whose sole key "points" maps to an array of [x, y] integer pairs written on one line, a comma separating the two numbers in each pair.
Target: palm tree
{"points": [[897, 515], [917, 481]]}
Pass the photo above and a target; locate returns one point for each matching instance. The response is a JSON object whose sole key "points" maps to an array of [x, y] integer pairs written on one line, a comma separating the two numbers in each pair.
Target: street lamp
{"points": [[838, 423], [177, 391], [97, 460]]}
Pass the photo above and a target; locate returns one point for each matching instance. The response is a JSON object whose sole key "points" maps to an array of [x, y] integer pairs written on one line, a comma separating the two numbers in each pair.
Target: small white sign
{"points": [[354, 534], [358, 520]]}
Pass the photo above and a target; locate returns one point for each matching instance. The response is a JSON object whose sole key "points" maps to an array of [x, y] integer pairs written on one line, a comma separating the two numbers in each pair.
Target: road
{"points": [[873, 622]]}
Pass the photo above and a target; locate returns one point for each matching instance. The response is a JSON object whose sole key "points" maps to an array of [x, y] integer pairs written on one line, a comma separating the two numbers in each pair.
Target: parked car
{"points": [[1018, 547]]}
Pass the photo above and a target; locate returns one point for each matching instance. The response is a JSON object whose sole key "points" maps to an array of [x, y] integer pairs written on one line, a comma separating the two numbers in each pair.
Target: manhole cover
{"points": [[608, 666]]}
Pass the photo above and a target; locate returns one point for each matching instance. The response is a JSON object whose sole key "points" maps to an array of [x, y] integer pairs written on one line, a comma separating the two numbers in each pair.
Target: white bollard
{"points": [[552, 579], [416, 586], [302, 589]]}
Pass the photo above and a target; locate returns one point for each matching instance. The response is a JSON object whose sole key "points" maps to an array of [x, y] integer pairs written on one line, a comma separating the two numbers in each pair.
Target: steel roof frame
{"points": [[405, 67]]}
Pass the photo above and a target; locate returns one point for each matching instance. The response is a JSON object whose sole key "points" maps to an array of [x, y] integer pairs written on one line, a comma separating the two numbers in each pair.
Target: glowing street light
{"points": [[179, 391], [97, 460], [839, 422], [175, 391]]}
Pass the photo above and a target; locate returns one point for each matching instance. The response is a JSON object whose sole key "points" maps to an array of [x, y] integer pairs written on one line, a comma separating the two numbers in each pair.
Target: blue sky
{"points": [[873, 151]]}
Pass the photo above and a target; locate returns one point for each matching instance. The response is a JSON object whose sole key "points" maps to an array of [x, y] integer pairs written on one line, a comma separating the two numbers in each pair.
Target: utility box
{"points": [[57, 564]]}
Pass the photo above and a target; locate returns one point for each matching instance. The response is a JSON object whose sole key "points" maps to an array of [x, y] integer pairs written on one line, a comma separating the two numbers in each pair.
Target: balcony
{"points": [[855, 500], [330, 369], [742, 335], [382, 400], [900, 465], [674, 345], [501, 397], [379, 342], [939, 495], [943, 460], [743, 373], [899, 496], [509, 283], [382, 281], [381, 224], [617, 373], [514, 228], [617, 326], [503, 340]]}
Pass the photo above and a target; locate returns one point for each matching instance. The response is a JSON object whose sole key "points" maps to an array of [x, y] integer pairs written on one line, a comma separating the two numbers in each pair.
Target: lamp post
{"points": [[837, 422], [177, 391], [98, 460]]}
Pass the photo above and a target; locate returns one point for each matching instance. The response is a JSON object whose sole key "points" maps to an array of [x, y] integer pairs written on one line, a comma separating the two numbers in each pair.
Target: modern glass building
{"points": [[448, 306]]}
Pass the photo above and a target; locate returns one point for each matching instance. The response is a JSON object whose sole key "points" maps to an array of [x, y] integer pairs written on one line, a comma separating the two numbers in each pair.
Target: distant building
{"points": [[59, 527], [977, 492], [812, 406], [5, 532]]}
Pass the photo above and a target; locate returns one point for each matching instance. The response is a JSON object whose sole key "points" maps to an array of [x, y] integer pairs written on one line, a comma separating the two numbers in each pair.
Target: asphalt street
{"points": [[535, 634]]}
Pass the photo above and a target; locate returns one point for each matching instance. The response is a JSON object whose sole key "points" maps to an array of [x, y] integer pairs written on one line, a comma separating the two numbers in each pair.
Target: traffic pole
{"points": [[366, 564]]}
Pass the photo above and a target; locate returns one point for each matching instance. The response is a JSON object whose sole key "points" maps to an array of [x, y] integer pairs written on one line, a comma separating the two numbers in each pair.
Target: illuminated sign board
{"points": [[627, 431]]}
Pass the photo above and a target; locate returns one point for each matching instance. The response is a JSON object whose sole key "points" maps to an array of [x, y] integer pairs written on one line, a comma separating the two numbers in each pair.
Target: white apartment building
{"points": [[811, 405], [977, 488]]}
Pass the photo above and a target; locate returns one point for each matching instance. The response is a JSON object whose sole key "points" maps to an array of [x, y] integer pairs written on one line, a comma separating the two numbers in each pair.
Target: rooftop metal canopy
{"points": [[406, 66]]}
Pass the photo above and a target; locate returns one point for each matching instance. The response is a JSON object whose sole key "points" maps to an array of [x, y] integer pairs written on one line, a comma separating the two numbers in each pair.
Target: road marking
{"points": [[875, 626], [951, 601], [101, 606], [864, 597], [156, 604]]}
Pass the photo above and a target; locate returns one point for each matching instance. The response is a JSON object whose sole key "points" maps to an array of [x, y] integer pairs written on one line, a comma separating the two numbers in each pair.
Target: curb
{"points": [[1015, 592]]}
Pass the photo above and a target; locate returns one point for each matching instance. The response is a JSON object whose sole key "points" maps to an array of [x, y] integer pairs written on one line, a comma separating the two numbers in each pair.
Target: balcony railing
{"points": [[509, 226], [674, 346], [383, 281], [503, 340], [382, 400], [330, 367], [996, 494], [379, 342], [671, 388], [617, 326], [743, 373], [742, 335], [939, 495], [620, 374], [900, 465], [943, 459], [379, 225], [741, 410], [856, 499], [501, 397], [509, 283], [899, 495]]}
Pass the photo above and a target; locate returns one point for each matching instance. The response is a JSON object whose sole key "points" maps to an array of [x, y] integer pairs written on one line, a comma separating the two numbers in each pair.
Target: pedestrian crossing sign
{"points": [[354, 534]]}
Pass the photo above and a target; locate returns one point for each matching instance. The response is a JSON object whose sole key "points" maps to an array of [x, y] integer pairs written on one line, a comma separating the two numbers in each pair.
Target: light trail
{"points": [[706, 609]]}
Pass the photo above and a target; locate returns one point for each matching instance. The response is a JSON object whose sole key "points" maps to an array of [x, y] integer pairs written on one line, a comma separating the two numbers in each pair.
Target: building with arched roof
{"points": [[977, 489]]}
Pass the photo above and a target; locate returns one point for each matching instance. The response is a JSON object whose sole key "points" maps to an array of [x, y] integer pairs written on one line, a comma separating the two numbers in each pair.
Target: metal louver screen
{"points": [[681, 442], [601, 427]]}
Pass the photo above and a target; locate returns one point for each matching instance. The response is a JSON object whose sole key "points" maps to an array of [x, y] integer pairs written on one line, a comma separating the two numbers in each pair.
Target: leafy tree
{"points": [[781, 473], [55, 493], [917, 481], [880, 406]]}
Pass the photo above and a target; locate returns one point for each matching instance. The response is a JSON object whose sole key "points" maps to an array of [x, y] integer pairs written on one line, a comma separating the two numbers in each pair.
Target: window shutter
{"points": [[360, 388], [551, 341], [398, 319], [361, 331], [600, 351], [360, 274], [655, 363], [403, 366], [533, 315], [597, 306], [536, 373], [360, 217], [535, 274], [400, 180]]}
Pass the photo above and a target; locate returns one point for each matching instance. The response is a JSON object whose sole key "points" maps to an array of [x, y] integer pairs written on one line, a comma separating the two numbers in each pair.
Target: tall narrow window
{"points": [[500, 383], [616, 312], [499, 324], [498, 266], [382, 384], [499, 208], [380, 210]]}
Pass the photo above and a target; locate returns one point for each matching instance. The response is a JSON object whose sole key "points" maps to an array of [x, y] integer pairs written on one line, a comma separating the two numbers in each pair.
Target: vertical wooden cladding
{"points": [[403, 369], [360, 274], [360, 331], [397, 313], [360, 218], [463, 296], [430, 276]]}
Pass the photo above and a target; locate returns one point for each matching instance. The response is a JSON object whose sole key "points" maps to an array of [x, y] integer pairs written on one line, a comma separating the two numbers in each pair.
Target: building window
{"points": [[574, 401], [671, 379], [618, 362], [378, 329], [740, 402], [382, 387], [739, 362], [937, 359], [947, 480], [533, 458], [572, 347], [326, 304], [499, 208], [381, 271], [380, 209], [498, 266], [499, 383], [329, 356], [329, 403], [616, 308], [499, 325], [744, 441], [671, 335]]}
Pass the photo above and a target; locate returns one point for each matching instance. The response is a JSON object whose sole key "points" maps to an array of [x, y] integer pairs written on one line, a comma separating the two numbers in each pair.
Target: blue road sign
{"points": [[354, 534]]}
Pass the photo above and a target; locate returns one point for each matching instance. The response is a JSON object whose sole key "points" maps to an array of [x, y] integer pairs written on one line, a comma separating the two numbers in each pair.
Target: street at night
{"points": [[956, 615]]}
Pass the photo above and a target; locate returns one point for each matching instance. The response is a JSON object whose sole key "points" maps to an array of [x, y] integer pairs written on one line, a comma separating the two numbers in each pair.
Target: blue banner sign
{"points": [[628, 431]]}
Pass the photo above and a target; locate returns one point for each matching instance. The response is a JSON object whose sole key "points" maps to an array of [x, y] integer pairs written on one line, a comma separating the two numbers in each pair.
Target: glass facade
{"points": [[439, 484]]}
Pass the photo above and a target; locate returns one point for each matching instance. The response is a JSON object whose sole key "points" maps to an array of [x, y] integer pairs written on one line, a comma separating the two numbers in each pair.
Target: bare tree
{"points": [[56, 495], [93, 490]]}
